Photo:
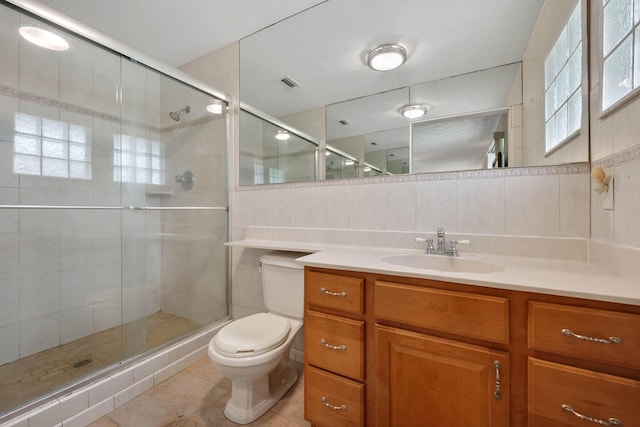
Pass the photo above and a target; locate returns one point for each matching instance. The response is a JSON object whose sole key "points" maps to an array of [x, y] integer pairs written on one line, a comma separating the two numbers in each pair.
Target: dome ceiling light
{"points": [[43, 38], [282, 135], [216, 107], [386, 57], [414, 111]]}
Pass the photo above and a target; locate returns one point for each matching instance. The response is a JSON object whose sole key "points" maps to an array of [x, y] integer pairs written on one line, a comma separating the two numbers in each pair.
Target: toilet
{"points": [[253, 352]]}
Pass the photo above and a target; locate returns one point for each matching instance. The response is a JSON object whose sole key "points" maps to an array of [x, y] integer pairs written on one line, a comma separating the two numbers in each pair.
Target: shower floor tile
{"points": [[38, 374], [195, 397]]}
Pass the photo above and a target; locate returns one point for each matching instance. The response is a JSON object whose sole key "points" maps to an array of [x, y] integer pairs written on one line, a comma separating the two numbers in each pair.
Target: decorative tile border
{"points": [[571, 168], [72, 108], [620, 158]]}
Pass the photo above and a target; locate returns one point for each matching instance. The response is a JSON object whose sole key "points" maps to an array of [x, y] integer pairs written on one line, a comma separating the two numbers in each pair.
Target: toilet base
{"points": [[251, 398]]}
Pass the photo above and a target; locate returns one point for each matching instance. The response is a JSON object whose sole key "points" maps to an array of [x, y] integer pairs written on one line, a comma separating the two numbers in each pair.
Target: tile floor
{"points": [[195, 397], [35, 375]]}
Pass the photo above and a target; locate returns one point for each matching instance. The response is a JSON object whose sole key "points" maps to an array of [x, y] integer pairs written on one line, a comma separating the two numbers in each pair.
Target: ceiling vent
{"points": [[344, 122], [289, 82]]}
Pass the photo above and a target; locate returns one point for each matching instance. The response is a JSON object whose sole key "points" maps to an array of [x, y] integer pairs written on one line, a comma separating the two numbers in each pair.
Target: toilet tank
{"points": [[283, 283]]}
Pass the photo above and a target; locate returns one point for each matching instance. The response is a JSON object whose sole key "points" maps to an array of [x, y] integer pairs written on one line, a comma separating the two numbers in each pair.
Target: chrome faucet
{"points": [[441, 242], [441, 248]]}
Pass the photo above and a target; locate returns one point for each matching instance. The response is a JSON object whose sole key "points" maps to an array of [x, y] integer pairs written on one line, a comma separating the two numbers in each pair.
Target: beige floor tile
{"points": [[196, 397]]}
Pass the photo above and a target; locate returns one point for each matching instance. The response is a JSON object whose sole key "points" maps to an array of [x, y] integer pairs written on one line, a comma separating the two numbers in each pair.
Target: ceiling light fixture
{"points": [[282, 135], [386, 57], [43, 38], [414, 111], [216, 107]]}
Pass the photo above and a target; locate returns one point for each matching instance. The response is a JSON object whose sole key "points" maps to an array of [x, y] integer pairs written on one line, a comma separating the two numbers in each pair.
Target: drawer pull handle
{"points": [[330, 406], [333, 294], [498, 393], [609, 422], [611, 340], [333, 347]]}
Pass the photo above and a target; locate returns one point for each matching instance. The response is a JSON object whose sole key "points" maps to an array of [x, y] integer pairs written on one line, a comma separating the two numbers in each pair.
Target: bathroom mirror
{"points": [[319, 63]]}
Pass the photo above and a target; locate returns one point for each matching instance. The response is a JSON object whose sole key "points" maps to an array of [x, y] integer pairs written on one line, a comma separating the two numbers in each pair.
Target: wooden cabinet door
{"points": [[428, 381]]}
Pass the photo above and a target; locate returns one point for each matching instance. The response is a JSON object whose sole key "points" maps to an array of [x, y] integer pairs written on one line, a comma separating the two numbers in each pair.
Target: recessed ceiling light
{"points": [[413, 111], [386, 57], [282, 135], [216, 107], [43, 38]]}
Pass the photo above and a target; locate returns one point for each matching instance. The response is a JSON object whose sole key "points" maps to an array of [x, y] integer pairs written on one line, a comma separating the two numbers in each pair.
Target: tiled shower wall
{"points": [[65, 274], [60, 270]]}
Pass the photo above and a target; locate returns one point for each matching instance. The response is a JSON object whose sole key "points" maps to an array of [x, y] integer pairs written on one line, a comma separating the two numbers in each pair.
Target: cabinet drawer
{"points": [[561, 395], [331, 400], [471, 315], [333, 291], [585, 333], [335, 343]]}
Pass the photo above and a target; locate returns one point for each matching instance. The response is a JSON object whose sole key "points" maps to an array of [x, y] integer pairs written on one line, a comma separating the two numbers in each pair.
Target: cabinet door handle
{"points": [[609, 422], [611, 340], [330, 406], [498, 392], [333, 294], [332, 347]]}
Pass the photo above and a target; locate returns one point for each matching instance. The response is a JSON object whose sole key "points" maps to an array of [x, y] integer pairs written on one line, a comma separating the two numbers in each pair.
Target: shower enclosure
{"points": [[113, 217]]}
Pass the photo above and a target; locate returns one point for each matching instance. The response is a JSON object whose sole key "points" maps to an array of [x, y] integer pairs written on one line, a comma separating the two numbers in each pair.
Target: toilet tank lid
{"points": [[283, 259]]}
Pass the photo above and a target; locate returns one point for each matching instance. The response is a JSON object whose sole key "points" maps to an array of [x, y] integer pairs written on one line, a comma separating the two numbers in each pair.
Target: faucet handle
{"points": [[453, 245], [460, 242]]}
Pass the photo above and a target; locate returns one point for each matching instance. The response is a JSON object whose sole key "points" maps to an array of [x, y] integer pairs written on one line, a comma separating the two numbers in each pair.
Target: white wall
{"points": [[615, 147]]}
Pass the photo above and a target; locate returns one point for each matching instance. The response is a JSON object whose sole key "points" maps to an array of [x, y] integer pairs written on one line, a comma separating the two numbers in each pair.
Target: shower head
{"points": [[175, 115]]}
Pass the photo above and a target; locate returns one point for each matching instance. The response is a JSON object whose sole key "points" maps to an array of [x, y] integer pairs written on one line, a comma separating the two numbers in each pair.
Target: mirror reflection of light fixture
{"points": [[43, 38], [215, 107], [282, 135], [386, 57], [413, 111], [349, 163]]}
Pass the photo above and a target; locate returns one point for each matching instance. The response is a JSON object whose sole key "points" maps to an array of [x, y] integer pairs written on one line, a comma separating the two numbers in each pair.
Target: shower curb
{"points": [[90, 402]]}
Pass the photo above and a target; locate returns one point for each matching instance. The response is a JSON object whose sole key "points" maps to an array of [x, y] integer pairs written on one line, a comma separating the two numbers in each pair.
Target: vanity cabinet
{"points": [[428, 380], [567, 393], [383, 350], [334, 350]]}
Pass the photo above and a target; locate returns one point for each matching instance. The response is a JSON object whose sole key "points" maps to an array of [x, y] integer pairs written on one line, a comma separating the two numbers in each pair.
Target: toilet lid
{"points": [[252, 335]]}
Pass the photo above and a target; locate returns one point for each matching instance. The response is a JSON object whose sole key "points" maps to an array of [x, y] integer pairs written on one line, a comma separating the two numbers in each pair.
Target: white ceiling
{"points": [[178, 31]]}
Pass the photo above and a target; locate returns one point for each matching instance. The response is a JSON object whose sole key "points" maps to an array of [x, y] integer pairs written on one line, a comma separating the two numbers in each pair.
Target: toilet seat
{"points": [[252, 335]]}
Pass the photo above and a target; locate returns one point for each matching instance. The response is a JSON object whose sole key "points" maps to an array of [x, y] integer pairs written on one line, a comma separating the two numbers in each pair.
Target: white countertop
{"points": [[542, 275]]}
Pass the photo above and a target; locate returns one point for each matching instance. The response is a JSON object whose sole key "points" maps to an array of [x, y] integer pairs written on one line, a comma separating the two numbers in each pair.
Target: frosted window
{"points": [[618, 21], [26, 144], [55, 129], [563, 82], [138, 160], [55, 167], [44, 147], [29, 165], [258, 174], [56, 149], [574, 114], [276, 176], [616, 74], [620, 49]]}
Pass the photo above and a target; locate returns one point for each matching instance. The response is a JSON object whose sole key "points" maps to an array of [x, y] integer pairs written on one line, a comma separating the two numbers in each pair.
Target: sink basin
{"points": [[442, 263]]}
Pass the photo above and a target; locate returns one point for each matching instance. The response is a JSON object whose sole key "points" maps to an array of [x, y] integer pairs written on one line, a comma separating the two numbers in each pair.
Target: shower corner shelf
{"points": [[161, 192]]}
